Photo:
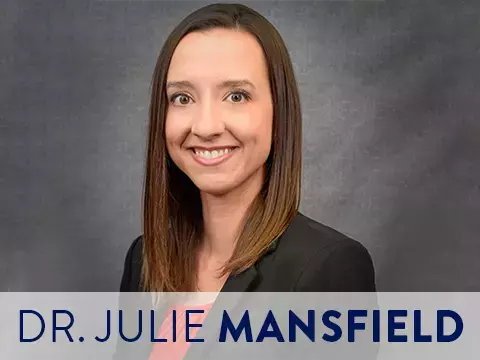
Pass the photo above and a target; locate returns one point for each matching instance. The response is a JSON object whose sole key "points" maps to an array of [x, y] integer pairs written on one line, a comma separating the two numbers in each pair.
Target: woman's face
{"points": [[220, 113]]}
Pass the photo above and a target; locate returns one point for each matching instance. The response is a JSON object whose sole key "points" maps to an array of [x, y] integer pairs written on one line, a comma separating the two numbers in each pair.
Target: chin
{"points": [[215, 188]]}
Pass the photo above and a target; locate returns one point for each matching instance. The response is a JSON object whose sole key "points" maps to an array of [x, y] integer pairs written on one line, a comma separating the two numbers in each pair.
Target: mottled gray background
{"points": [[391, 133]]}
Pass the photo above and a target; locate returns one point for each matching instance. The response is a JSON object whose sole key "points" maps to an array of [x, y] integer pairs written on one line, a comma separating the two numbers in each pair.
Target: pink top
{"points": [[176, 350]]}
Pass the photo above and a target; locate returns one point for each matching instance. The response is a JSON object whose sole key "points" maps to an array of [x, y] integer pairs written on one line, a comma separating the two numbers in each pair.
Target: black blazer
{"points": [[309, 256]]}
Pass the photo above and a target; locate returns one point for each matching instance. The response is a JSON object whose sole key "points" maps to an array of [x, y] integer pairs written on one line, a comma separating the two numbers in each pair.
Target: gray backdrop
{"points": [[391, 133]]}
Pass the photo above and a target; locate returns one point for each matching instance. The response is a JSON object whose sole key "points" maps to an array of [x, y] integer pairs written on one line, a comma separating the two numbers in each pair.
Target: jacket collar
{"points": [[241, 282], [247, 279]]}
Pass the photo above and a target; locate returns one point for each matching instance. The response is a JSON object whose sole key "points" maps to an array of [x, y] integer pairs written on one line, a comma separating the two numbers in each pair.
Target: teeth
{"points": [[212, 154]]}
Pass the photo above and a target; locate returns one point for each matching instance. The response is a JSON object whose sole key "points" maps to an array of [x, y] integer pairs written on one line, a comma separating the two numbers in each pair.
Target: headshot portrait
{"points": [[259, 146], [224, 170]]}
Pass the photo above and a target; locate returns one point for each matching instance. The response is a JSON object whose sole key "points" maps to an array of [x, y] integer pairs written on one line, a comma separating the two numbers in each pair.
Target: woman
{"points": [[223, 176], [223, 170]]}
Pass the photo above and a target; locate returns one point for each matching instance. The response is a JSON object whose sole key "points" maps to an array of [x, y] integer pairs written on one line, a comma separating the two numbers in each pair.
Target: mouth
{"points": [[212, 156]]}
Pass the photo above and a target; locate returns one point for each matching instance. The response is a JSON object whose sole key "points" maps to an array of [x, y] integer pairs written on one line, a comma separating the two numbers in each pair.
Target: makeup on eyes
{"points": [[246, 95]]}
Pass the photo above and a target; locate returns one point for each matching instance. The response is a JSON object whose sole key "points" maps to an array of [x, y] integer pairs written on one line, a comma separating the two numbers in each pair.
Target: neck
{"points": [[223, 217]]}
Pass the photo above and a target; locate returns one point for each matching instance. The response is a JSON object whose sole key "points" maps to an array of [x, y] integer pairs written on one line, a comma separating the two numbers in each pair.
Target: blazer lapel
{"points": [[247, 280], [242, 282]]}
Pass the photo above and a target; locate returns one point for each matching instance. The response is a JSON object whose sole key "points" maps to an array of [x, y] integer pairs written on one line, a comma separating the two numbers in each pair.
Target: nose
{"points": [[207, 122]]}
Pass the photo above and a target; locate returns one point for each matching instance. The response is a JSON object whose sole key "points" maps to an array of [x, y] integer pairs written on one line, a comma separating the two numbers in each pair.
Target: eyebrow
{"points": [[222, 85]]}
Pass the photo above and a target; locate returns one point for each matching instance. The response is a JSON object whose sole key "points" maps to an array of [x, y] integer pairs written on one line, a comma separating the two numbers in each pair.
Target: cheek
{"points": [[174, 130], [255, 132], [173, 141], [264, 131]]}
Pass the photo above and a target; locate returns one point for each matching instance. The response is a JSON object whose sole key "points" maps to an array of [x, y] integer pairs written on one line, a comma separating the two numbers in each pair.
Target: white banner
{"points": [[239, 326]]}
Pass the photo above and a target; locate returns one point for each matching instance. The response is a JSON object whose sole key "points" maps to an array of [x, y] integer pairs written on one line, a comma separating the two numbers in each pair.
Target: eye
{"points": [[239, 95], [180, 99]]}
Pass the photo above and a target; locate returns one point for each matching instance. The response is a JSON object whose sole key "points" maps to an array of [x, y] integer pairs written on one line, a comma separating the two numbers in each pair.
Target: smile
{"points": [[213, 156]]}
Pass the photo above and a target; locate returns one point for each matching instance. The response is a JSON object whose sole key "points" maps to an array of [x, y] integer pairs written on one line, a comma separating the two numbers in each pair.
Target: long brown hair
{"points": [[172, 221]]}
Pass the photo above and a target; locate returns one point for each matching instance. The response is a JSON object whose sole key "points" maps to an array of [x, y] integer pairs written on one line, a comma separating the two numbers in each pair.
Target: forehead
{"points": [[218, 54]]}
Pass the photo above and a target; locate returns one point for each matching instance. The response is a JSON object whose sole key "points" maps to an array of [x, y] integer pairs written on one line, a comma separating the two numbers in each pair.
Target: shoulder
{"points": [[309, 256], [132, 266], [321, 258]]}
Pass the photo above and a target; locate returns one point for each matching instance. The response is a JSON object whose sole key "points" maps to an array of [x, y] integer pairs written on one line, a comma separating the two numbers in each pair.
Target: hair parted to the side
{"points": [[172, 219]]}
